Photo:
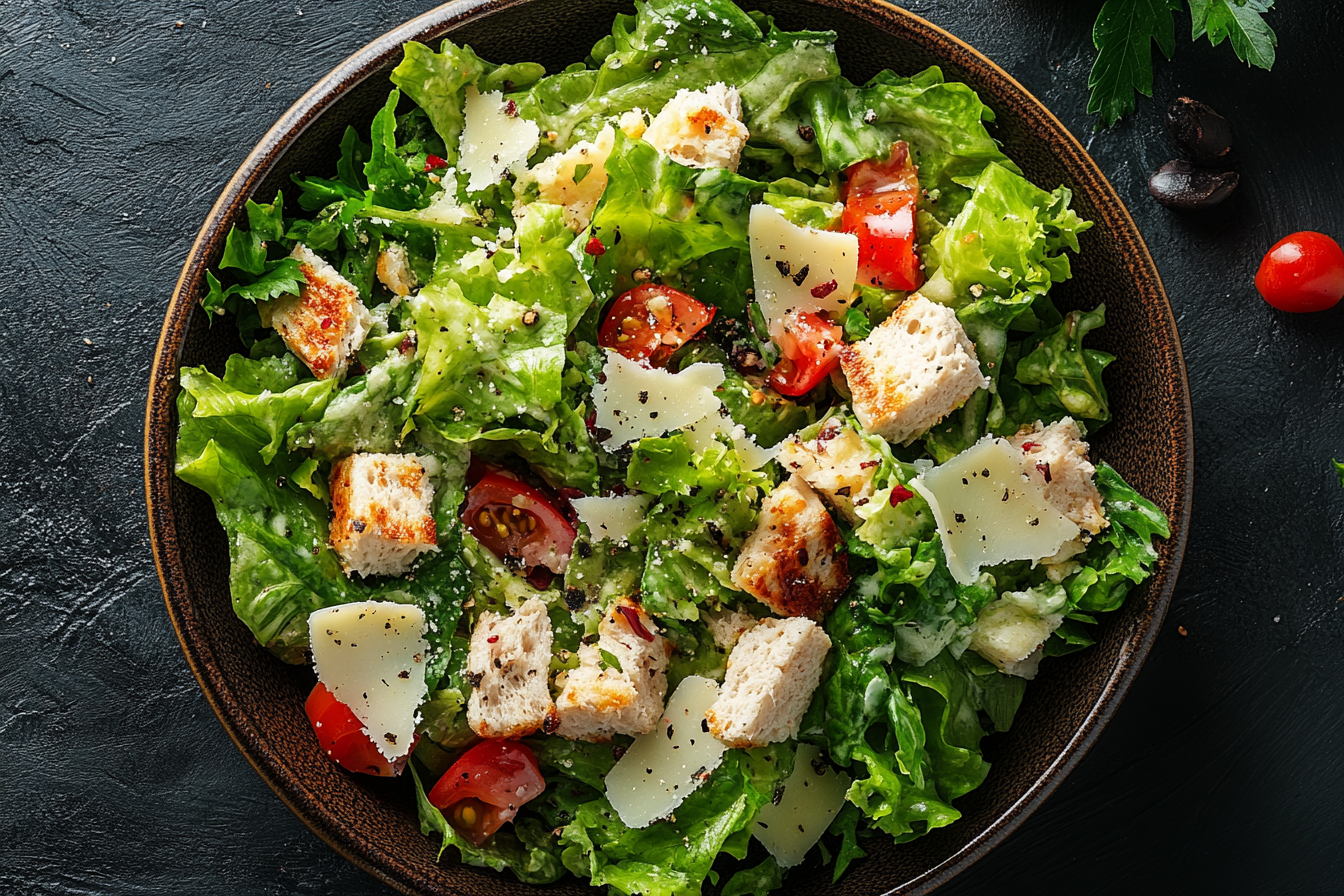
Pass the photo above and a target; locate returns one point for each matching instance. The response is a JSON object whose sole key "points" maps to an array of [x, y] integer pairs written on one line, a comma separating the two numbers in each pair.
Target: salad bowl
{"points": [[372, 821]]}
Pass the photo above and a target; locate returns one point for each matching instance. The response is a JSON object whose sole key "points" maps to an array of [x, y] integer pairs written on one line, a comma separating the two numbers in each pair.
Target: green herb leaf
{"points": [[580, 172], [1240, 22], [609, 660], [1122, 35]]}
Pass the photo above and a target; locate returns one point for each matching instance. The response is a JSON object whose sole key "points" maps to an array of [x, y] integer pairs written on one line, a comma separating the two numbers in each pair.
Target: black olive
{"points": [[1202, 134], [1181, 185]]}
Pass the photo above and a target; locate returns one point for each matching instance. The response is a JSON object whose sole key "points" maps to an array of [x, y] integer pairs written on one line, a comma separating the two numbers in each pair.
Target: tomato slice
{"points": [[810, 345], [518, 524], [880, 202], [650, 322], [341, 735], [486, 787]]}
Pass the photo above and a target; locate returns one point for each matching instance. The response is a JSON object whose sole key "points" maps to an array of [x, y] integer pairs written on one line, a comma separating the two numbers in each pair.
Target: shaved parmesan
{"points": [[611, 519], [792, 824], [493, 141], [990, 511], [371, 656], [637, 402], [794, 267], [703, 436], [666, 765]]}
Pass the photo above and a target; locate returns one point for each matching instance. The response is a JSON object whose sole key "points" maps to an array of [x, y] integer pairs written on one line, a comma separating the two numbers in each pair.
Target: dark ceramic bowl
{"points": [[372, 821]]}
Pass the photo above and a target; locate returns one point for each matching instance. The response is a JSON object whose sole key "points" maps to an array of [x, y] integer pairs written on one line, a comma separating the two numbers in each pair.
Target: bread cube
{"points": [[383, 508], [772, 673], [838, 464], [558, 180], [325, 324], [1058, 454], [599, 699], [794, 560], [727, 626], [913, 370], [701, 128], [394, 270], [507, 667]]}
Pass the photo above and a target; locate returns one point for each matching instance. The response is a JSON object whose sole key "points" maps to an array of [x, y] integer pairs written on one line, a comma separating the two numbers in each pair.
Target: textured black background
{"points": [[118, 127]]}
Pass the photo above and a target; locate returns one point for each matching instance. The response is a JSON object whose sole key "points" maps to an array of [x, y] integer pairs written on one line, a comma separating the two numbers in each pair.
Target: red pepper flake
{"points": [[432, 161], [326, 323], [632, 616], [511, 109], [493, 639], [1044, 468], [595, 247], [825, 289], [1029, 446], [900, 494]]}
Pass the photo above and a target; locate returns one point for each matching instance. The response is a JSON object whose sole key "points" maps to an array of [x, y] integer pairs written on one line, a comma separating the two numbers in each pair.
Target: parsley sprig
{"points": [[1126, 29]]}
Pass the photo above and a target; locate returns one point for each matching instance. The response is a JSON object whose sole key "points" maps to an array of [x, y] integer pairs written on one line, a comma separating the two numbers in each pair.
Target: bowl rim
{"points": [[329, 90]]}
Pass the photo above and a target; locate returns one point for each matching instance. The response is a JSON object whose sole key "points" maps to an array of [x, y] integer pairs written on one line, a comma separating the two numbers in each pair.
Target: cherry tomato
{"points": [[650, 322], [486, 787], [810, 345], [341, 735], [518, 524], [880, 201], [1302, 272]]}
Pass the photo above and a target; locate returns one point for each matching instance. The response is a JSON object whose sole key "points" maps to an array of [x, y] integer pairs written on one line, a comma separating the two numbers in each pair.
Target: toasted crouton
{"points": [[384, 513], [560, 182], [912, 371], [507, 667], [772, 673], [633, 123], [701, 128], [727, 626], [394, 270], [1058, 454], [838, 464], [793, 561], [325, 324], [600, 699]]}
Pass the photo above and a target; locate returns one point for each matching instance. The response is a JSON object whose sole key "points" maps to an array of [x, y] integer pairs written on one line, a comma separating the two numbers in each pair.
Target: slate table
{"points": [[119, 124]]}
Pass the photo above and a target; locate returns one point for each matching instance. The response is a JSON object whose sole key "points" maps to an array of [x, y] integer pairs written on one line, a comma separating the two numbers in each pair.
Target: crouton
{"points": [[772, 673], [383, 508], [793, 561], [600, 699], [838, 464], [912, 371], [325, 324], [726, 626], [507, 667], [394, 270], [560, 182], [1058, 454], [701, 128], [633, 123], [1011, 631]]}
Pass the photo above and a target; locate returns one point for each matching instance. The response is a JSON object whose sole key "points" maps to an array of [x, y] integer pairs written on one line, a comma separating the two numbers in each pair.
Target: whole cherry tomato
{"points": [[341, 735], [650, 322], [486, 787], [1302, 272]]}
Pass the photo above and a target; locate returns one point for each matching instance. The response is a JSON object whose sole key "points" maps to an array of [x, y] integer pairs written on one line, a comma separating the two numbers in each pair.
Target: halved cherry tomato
{"points": [[650, 322], [486, 787], [518, 524], [810, 345], [880, 200], [341, 735], [1302, 272]]}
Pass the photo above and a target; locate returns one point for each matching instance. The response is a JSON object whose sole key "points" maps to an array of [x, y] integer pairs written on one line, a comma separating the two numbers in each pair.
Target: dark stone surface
{"points": [[1222, 770]]}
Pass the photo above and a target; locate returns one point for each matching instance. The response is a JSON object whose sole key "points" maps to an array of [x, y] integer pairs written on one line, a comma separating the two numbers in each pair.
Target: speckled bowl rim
{"points": [[279, 138]]}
